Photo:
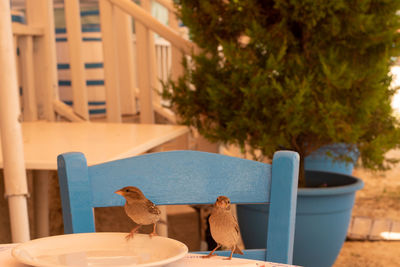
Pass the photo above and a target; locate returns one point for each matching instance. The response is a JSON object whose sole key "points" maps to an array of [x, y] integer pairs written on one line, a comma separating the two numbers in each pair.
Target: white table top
{"points": [[100, 142], [191, 260]]}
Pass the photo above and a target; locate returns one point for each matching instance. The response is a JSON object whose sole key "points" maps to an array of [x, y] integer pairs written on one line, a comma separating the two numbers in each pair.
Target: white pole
{"points": [[16, 188], [18, 218]]}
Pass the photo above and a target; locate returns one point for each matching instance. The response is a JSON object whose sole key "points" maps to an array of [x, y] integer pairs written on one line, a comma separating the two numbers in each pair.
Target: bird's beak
{"points": [[119, 192]]}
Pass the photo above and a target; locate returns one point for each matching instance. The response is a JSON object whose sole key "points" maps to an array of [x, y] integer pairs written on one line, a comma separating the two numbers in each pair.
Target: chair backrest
{"points": [[186, 177]]}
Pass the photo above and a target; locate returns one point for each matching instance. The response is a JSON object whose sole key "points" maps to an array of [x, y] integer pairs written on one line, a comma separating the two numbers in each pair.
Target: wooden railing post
{"points": [[145, 54], [28, 78], [126, 73], [77, 67], [163, 65], [176, 54], [40, 13], [113, 107]]}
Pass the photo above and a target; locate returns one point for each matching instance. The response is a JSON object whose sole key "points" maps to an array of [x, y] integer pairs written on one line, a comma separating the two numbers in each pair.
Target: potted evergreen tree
{"points": [[298, 75]]}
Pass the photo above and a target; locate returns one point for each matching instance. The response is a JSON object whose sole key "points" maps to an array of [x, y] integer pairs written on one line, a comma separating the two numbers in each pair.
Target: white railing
{"points": [[145, 25], [92, 56], [132, 69], [37, 74]]}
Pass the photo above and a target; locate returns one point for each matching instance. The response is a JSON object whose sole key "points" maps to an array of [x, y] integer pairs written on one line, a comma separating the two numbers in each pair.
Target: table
{"points": [[191, 260], [100, 142]]}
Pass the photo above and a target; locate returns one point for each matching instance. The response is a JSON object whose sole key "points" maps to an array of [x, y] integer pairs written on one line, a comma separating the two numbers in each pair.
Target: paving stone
{"points": [[393, 232], [359, 228], [365, 228], [379, 226], [396, 227]]}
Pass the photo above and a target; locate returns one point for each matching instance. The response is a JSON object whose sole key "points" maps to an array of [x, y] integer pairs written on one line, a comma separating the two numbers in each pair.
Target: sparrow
{"points": [[224, 227], [140, 209]]}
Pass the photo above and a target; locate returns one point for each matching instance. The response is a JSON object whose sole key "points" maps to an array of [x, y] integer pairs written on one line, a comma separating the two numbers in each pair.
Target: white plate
{"points": [[99, 249]]}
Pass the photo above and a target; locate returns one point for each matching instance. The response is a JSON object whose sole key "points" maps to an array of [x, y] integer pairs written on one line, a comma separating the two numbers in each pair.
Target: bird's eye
{"points": [[126, 190]]}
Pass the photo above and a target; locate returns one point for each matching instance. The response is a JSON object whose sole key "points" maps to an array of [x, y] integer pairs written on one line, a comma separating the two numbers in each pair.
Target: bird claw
{"points": [[153, 234], [209, 256], [132, 233], [129, 236]]}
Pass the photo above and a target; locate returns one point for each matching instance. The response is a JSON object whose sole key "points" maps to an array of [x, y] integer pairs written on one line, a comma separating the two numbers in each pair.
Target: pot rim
{"points": [[333, 190]]}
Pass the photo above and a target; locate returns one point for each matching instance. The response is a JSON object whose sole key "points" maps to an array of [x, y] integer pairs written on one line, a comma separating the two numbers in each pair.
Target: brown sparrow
{"points": [[224, 227], [141, 210]]}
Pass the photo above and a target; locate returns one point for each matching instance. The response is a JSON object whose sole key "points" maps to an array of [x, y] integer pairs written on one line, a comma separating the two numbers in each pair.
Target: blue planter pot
{"points": [[320, 161], [322, 219]]}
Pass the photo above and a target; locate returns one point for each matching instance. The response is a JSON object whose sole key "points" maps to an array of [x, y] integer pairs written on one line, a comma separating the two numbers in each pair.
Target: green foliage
{"points": [[312, 73]]}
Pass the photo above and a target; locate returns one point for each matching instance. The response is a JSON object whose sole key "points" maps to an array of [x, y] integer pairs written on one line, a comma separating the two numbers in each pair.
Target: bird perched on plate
{"points": [[224, 227], [141, 210]]}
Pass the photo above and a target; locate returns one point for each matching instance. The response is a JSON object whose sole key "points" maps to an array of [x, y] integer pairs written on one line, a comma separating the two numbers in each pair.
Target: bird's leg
{"points": [[230, 257], [133, 231], [154, 231], [211, 253]]}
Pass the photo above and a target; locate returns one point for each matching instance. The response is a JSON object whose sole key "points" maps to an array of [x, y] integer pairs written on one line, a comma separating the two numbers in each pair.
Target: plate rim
{"points": [[15, 249]]}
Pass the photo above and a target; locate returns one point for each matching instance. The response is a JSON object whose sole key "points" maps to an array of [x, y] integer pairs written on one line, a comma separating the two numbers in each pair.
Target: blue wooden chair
{"points": [[186, 177]]}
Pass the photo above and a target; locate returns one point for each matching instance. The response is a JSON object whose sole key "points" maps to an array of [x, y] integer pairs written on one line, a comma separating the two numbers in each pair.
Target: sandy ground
{"points": [[380, 198], [369, 254]]}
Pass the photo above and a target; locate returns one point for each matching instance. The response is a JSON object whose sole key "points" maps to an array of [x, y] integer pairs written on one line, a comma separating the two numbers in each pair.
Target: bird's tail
{"points": [[237, 251]]}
